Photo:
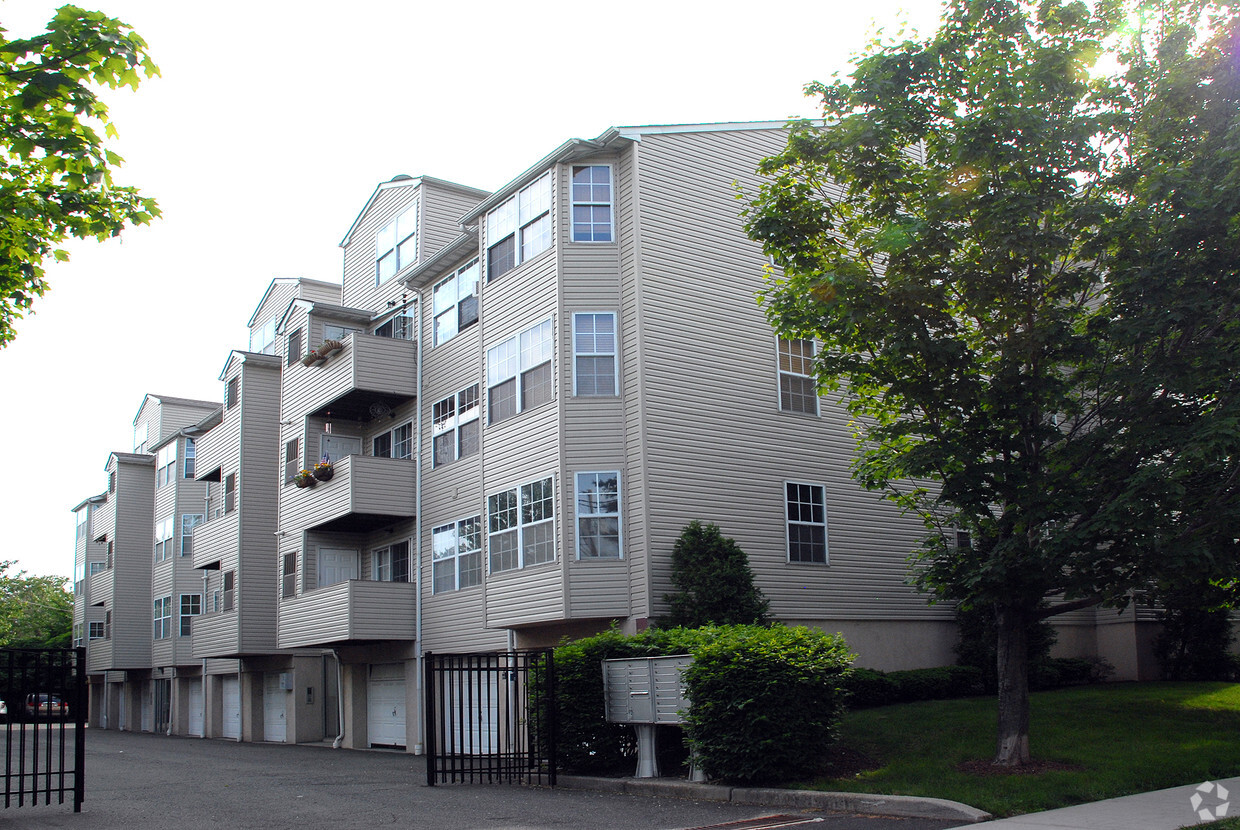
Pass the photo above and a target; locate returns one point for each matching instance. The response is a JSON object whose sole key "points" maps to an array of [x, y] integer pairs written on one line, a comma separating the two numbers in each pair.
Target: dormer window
{"points": [[519, 228], [396, 244]]}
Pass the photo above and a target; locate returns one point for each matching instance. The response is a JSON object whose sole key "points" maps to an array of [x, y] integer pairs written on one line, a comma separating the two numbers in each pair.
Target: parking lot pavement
{"points": [[152, 782]]}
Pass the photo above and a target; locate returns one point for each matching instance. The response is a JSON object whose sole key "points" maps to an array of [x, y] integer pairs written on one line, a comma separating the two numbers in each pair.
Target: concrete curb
{"points": [[901, 806]]}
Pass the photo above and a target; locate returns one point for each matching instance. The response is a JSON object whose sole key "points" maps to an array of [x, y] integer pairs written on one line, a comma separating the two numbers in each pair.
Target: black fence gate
{"points": [[490, 718], [45, 735]]}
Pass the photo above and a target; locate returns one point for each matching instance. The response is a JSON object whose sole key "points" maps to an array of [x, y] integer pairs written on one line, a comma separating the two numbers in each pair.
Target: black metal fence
{"points": [[45, 736], [490, 718]]}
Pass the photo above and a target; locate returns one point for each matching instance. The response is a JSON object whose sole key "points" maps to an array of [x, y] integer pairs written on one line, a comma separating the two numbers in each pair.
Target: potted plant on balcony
{"points": [[310, 359], [303, 479], [329, 348], [324, 471]]}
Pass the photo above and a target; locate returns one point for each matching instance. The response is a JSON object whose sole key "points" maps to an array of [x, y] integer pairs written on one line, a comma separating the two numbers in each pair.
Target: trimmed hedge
{"points": [[766, 700], [868, 688]]}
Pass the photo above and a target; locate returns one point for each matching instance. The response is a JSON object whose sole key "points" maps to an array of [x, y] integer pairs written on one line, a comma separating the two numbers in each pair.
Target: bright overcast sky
{"points": [[270, 127]]}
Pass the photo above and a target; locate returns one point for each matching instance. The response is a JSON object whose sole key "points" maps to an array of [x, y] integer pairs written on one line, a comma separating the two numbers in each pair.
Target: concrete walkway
{"points": [[1160, 810]]}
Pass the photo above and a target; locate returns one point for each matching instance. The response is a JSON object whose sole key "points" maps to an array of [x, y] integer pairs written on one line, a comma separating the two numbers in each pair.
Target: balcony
{"points": [[369, 371], [355, 611], [101, 584], [216, 539], [365, 493]]}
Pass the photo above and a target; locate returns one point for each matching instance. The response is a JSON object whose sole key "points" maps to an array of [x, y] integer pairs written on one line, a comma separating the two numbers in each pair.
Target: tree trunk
{"points": [[1013, 674]]}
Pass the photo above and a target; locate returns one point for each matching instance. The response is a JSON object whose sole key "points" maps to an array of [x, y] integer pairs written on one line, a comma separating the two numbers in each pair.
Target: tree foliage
{"points": [[55, 172], [1024, 264], [35, 611], [714, 583]]}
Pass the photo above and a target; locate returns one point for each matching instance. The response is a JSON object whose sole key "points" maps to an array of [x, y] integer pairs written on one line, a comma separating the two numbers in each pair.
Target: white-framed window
{"points": [[519, 373], [191, 457], [83, 523], [163, 618], [96, 567], [396, 244], [191, 606], [164, 531], [95, 630], [807, 522], [598, 515], [798, 391], [455, 302], [456, 555], [140, 432], [395, 443], [263, 338], [391, 563], [519, 228], [591, 203], [455, 427], [399, 327], [521, 526], [189, 521], [331, 331], [594, 354], [165, 464]]}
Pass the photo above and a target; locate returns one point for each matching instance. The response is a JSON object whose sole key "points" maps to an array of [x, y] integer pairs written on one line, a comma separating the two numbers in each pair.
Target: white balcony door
{"points": [[336, 565], [336, 447]]}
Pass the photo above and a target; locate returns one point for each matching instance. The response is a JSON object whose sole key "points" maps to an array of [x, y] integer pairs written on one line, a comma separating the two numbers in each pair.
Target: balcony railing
{"points": [[363, 494], [356, 610]]}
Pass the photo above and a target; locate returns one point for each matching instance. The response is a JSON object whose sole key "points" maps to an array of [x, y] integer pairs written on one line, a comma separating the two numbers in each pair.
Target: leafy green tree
{"points": [[35, 611], [55, 172], [714, 583], [1023, 264]]}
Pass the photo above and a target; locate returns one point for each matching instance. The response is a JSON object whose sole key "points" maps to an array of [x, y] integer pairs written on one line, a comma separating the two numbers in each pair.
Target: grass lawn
{"points": [[1093, 742]]}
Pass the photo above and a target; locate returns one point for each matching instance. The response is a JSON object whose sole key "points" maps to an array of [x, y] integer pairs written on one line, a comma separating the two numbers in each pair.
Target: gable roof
{"points": [[403, 180], [168, 399]]}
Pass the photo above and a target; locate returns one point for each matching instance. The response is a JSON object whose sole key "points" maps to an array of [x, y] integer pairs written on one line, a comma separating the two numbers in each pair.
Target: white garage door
{"points": [[274, 704], [232, 708], [385, 705], [195, 708]]}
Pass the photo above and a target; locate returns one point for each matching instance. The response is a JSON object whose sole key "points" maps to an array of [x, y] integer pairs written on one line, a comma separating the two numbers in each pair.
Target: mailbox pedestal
{"points": [[646, 691]]}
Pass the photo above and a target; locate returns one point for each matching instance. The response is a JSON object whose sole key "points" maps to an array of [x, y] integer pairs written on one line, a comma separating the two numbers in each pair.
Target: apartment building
{"points": [[516, 401]]}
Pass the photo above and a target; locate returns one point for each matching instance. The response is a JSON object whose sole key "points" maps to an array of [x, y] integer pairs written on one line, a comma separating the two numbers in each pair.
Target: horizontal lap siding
{"points": [[133, 554], [526, 596], [382, 610], [718, 448], [442, 209], [216, 634], [219, 448], [262, 461], [359, 255], [318, 616]]}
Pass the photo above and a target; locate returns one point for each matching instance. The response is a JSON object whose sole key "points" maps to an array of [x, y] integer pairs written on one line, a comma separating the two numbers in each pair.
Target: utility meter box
{"points": [[646, 689]]}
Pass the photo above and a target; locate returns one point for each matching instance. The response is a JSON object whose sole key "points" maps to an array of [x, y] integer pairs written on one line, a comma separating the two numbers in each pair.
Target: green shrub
{"points": [[766, 701], [867, 688], [937, 683], [714, 583]]}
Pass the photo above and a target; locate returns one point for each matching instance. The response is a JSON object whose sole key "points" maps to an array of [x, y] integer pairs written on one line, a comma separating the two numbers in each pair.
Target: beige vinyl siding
{"points": [[261, 476], [717, 447], [359, 290], [132, 555], [442, 209]]}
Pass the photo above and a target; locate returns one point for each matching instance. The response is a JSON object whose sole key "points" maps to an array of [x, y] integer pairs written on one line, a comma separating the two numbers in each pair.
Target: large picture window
{"points": [[807, 522], [521, 526], [519, 373], [598, 515], [396, 244], [594, 354], [798, 392], [455, 427], [591, 203], [519, 228], [456, 555], [456, 302]]}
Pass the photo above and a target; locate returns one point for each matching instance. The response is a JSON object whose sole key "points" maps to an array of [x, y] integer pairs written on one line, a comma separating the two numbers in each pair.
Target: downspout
{"points": [[204, 660], [418, 747], [339, 699]]}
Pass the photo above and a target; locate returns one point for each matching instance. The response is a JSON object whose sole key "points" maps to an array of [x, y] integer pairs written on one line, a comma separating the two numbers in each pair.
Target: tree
{"points": [[35, 611], [1024, 273], [55, 172], [713, 580]]}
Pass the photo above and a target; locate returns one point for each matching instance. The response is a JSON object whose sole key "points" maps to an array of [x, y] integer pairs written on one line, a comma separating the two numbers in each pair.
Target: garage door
{"points": [[231, 725], [274, 705], [385, 704], [194, 687]]}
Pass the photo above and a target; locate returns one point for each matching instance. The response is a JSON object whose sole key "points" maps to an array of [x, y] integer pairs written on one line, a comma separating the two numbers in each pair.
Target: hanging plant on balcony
{"points": [[329, 348], [305, 478], [324, 471], [310, 359]]}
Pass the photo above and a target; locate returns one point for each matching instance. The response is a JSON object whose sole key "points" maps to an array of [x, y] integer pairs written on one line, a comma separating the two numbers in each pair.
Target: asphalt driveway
{"points": [[150, 782]]}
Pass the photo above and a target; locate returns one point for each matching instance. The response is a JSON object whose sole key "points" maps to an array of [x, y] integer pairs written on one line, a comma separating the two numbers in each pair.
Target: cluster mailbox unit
{"points": [[647, 691]]}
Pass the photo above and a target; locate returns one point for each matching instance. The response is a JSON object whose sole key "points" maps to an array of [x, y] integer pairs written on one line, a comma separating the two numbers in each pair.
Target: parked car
{"points": [[45, 706]]}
